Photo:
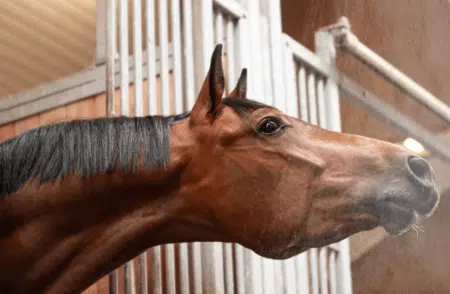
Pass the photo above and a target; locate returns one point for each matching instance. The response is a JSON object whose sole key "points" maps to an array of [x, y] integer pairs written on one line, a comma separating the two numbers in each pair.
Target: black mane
{"points": [[85, 147]]}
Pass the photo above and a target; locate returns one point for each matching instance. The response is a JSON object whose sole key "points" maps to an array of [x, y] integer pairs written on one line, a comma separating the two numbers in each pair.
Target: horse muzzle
{"points": [[408, 198]]}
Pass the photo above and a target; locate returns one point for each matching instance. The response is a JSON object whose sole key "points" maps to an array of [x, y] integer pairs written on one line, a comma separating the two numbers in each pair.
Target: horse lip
{"points": [[395, 217]]}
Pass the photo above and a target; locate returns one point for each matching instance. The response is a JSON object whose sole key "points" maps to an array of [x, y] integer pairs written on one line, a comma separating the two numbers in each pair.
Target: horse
{"points": [[79, 198]]}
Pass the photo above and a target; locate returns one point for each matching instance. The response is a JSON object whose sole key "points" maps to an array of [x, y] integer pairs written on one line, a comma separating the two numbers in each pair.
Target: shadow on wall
{"points": [[409, 263]]}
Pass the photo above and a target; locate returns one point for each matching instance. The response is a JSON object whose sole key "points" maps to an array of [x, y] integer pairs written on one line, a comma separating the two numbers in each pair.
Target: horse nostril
{"points": [[420, 170]]}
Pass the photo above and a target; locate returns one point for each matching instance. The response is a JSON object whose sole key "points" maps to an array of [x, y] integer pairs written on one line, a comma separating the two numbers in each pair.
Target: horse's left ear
{"points": [[210, 95], [240, 91]]}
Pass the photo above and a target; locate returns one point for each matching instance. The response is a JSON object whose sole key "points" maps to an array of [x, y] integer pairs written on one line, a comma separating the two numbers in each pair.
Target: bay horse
{"points": [[80, 198]]}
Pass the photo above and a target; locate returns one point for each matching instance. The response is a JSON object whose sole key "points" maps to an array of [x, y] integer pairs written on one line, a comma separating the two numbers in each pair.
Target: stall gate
{"points": [[175, 39]]}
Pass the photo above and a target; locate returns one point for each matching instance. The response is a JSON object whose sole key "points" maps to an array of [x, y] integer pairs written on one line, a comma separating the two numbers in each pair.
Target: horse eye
{"points": [[270, 126]]}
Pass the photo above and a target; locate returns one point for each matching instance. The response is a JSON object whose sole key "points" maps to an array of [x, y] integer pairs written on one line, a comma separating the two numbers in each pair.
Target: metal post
{"points": [[110, 53]]}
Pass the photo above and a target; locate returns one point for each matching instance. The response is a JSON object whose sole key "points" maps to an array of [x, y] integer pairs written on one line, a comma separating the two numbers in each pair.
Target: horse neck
{"points": [[61, 237]]}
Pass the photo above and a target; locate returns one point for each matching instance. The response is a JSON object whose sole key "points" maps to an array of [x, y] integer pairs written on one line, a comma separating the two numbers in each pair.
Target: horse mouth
{"points": [[399, 214]]}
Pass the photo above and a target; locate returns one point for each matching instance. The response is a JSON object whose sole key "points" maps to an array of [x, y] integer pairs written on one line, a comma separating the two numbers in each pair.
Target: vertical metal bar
{"points": [[195, 253], [228, 268], [170, 269], [176, 52], [137, 48], [129, 278], [142, 287], [189, 74], [276, 45], [203, 48], [218, 27], [321, 102], [101, 28], [302, 94], [183, 264], [157, 287], [164, 57], [323, 270], [314, 271], [110, 54], [332, 264], [124, 68], [312, 98], [151, 57], [290, 85], [265, 42], [278, 275], [301, 270], [231, 69], [290, 286], [253, 12], [240, 268]]}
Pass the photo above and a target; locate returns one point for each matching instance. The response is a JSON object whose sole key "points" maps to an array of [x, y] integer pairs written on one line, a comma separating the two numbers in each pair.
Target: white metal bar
{"points": [[137, 52], [231, 69], [265, 41], [170, 276], [129, 278], [301, 270], [255, 89], [312, 98], [323, 270], [332, 260], [290, 85], [151, 57], [278, 275], [240, 268], [231, 7], [101, 28], [195, 255], [203, 27], [183, 265], [276, 45], [219, 28], [228, 268], [142, 286], [350, 43], [303, 94], [290, 285], [157, 282], [189, 74], [124, 67], [177, 62], [321, 101], [110, 54], [314, 271], [164, 57]]}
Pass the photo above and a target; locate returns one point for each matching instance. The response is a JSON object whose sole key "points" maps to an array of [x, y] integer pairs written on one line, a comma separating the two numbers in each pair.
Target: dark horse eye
{"points": [[270, 126]]}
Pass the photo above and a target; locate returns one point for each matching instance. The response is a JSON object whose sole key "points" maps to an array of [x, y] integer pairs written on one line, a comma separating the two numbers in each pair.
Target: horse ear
{"points": [[240, 91], [210, 95]]}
